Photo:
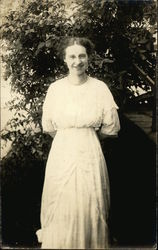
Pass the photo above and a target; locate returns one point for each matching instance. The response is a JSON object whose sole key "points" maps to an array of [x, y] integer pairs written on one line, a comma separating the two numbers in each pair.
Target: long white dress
{"points": [[76, 197]]}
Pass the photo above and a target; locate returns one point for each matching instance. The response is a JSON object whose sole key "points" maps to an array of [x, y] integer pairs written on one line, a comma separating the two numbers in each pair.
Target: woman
{"points": [[76, 198]]}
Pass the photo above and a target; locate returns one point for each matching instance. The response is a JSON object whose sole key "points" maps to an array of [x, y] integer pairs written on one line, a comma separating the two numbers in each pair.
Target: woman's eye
{"points": [[82, 56], [72, 57]]}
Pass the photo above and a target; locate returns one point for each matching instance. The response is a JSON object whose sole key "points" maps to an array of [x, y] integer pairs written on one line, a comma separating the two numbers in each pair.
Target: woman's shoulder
{"points": [[99, 84], [57, 84]]}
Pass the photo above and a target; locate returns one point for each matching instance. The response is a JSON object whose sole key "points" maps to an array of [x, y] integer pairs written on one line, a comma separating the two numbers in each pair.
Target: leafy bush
{"points": [[120, 31]]}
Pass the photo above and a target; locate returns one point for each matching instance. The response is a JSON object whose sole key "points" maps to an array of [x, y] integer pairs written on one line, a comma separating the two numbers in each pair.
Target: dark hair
{"points": [[69, 41]]}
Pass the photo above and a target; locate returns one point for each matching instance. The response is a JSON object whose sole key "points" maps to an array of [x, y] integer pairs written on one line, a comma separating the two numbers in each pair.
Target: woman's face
{"points": [[76, 59]]}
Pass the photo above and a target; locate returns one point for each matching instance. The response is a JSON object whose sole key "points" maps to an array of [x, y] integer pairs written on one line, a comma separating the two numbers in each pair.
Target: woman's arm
{"points": [[104, 136], [110, 126]]}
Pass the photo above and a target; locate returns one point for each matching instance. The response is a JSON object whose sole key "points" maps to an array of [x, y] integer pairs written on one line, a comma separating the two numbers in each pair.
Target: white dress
{"points": [[76, 197]]}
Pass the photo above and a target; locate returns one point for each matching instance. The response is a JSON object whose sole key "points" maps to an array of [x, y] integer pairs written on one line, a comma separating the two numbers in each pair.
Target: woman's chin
{"points": [[77, 72]]}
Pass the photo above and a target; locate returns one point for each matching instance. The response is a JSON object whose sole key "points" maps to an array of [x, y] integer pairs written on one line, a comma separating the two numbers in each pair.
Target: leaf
{"points": [[29, 31], [41, 45], [143, 41], [142, 51], [49, 43]]}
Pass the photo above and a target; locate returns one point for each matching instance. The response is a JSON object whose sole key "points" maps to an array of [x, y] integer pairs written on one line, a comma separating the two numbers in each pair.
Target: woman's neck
{"points": [[77, 79]]}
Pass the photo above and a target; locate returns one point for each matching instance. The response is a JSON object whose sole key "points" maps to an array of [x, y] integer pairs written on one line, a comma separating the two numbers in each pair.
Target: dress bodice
{"points": [[78, 106]]}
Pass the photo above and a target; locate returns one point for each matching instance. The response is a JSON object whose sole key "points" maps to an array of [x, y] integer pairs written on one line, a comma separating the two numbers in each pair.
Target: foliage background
{"points": [[123, 34]]}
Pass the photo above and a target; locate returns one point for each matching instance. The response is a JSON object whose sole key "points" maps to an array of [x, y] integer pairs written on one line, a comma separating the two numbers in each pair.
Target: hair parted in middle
{"points": [[69, 41]]}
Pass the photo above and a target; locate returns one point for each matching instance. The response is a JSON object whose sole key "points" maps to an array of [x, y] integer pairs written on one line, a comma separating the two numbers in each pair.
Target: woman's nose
{"points": [[78, 60]]}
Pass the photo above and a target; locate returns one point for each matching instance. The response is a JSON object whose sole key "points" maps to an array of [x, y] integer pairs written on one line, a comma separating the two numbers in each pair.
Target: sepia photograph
{"points": [[78, 124]]}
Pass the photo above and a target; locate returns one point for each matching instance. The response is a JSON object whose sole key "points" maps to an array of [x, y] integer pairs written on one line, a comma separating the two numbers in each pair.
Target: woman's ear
{"points": [[64, 58]]}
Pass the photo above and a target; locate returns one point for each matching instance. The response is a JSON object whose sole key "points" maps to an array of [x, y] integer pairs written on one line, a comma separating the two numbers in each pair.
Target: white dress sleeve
{"points": [[110, 119], [46, 115]]}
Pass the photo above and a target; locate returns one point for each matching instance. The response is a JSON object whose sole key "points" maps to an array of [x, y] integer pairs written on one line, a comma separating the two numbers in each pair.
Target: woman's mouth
{"points": [[78, 67]]}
